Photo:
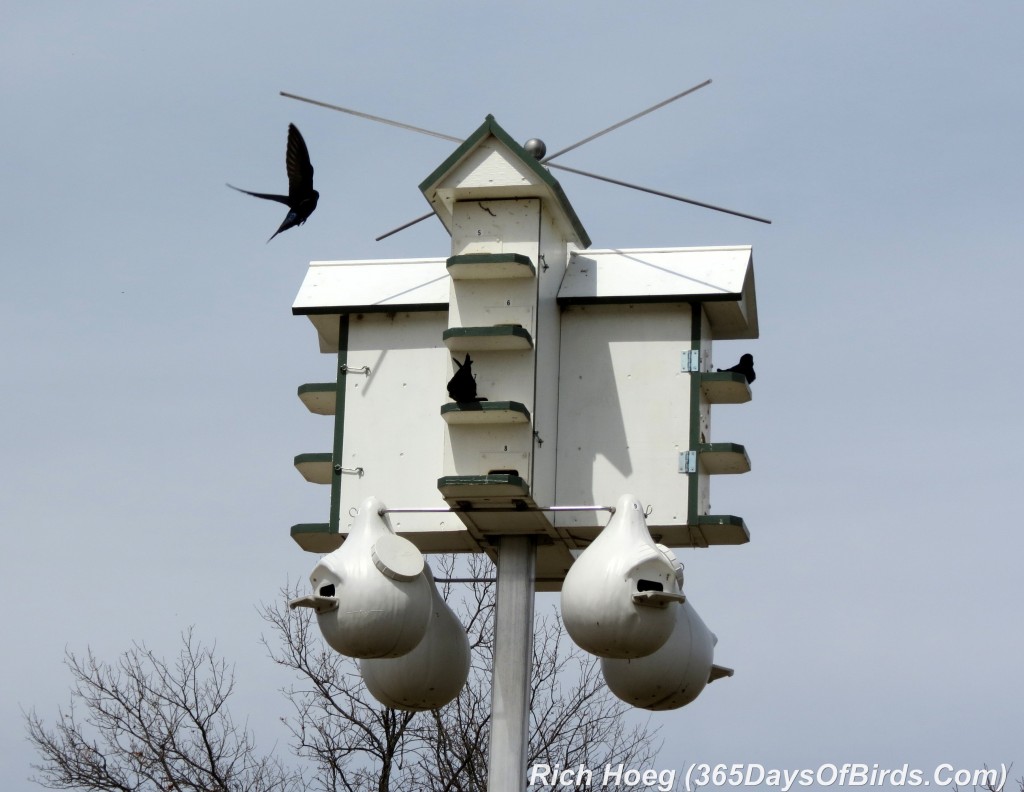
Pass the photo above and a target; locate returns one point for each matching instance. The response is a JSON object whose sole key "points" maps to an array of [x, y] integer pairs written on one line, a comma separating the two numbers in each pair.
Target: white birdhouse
{"points": [[674, 674], [510, 392], [371, 595], [525, 382], [671, 676], [430, 675], [619, 598], [592, 363]]}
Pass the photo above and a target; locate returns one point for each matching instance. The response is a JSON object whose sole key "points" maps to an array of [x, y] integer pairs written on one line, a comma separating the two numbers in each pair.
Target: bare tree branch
{"points": [[358, 745], [150, 726]]}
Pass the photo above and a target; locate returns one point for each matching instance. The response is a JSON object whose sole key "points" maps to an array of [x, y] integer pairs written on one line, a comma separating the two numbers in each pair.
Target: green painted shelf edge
{"points": [[483, 485], [725, 387], [319, 397], [723, 529], [486, 339], [719, 458], [315, 468], [484, 412], [316, 537], [488, 266]]}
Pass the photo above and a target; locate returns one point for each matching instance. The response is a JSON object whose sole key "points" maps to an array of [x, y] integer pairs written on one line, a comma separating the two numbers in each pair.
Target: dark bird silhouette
{"points": [[744, 367], [301, 198], [462, 387]]}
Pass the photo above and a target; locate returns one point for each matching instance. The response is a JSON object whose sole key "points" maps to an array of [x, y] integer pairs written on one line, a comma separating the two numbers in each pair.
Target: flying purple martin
{"points": [[301, 198], [744, 367], [462, 387]]}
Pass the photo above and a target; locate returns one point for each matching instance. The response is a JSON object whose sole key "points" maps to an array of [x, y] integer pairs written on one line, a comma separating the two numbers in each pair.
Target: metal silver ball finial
{"points": [[536, 147]]}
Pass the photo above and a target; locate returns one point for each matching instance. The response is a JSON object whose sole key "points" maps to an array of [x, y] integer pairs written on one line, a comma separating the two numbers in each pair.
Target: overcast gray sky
{"points": [[150, 358]]}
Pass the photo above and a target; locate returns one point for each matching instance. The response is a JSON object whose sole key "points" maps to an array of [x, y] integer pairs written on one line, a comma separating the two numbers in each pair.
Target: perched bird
{"points": [[462, 387], [744, 367], [301, 198]]}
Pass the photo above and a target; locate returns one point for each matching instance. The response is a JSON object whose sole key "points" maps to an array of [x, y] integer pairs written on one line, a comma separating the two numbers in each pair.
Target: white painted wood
{"points": [[490, 166], [722, 275], [334, 287], [623, 410], [506, 226], [492, 171], [392, 424], [551, 267]]}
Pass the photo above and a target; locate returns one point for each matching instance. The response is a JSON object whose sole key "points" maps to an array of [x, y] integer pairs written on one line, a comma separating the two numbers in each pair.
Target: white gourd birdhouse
{"points": [[620, 596], [371, 595], [671, 676], [674, 674], [430, 675]]}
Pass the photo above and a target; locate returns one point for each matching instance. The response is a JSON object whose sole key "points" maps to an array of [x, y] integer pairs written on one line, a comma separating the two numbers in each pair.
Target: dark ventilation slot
{"points": [[503, 472]]}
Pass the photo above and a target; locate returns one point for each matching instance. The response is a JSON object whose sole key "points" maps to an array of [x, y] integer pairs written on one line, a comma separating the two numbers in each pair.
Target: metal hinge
{"points": [[690, 361], [687, 461]]}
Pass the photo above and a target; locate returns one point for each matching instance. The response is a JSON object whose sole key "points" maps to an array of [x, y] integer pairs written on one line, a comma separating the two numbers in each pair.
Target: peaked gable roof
{"points": [[488, 165]]}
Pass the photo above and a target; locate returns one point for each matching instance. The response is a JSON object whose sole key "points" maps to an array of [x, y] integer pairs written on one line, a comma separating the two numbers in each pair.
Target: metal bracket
{"points": [[687, 461], [690, 361], [339, 470], [347, 369]]}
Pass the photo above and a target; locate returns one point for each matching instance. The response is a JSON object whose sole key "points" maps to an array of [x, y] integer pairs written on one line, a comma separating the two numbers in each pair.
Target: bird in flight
{"points": [[744, 367], [462, 387], [301, 198]]}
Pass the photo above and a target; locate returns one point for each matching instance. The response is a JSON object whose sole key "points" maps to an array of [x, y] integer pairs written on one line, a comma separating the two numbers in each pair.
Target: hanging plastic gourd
{"points": [[678, 671], [371, 596], [430, 675], [619, 597]]}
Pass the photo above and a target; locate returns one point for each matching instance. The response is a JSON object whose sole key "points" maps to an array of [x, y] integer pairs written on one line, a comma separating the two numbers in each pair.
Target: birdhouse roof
{"points": [[490, 165], [721, 279]]}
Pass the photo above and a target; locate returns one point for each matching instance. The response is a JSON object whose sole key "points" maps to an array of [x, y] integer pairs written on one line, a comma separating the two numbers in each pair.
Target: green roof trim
{"points": [[488, 128]]}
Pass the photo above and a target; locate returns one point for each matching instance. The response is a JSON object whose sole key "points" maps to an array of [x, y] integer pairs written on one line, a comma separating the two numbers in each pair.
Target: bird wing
{"points": [[300, 171], [279, 198]]}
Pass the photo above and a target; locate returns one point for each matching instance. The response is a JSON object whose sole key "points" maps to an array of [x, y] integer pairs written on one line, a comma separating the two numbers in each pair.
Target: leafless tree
{"points": [[147, 725], [152, 726], [358, 745]]}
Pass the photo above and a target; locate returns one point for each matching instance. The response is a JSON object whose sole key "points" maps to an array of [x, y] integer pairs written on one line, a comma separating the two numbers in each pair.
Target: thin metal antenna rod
{"points": [[546, 161], [613, 127], [382, 120], [420, 219], [657, 192]]}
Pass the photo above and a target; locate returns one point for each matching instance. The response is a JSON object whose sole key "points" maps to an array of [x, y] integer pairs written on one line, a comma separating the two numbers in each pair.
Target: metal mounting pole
{"points": [[513, 658]]}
